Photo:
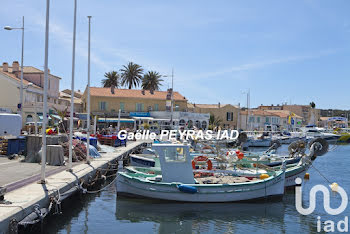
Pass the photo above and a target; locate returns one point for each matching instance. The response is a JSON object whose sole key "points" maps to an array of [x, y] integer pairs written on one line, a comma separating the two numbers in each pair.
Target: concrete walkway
{"points": [[24, 198]]}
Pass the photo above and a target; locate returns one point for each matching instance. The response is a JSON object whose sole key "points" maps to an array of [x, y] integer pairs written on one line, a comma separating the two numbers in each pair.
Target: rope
{"points": [[318, 170], [99, 190]]}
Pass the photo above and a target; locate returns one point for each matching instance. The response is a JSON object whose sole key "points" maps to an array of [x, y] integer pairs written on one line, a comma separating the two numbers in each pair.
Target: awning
{"points": [[143, 118], [115, 120], [165, 120], [41, 116]]}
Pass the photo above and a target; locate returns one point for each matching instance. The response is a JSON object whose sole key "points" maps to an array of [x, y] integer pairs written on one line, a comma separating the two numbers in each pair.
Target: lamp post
{"points": [[71, 123], [21, 87], [88, 100], [46, 73]]}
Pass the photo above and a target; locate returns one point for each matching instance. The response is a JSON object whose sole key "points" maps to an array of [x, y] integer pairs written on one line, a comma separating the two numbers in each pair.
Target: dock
{"points": [[26, 192]]}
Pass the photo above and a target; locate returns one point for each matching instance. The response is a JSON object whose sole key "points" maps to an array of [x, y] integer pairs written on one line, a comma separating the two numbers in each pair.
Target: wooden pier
{"points": [[30, 193]]}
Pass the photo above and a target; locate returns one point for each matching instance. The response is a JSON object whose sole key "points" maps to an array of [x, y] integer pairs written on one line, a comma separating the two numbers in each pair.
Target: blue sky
{"points": [[283, 51]]}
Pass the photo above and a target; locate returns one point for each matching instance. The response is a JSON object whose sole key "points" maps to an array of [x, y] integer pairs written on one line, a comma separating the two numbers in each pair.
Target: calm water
{"points": [[105, 213]]}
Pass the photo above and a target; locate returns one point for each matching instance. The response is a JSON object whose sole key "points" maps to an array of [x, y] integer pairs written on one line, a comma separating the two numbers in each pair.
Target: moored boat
{"points": [[177, 182]]}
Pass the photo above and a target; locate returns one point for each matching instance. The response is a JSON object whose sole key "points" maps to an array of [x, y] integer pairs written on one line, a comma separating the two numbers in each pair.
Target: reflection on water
{"points": [[107, 213], [185, 217]]}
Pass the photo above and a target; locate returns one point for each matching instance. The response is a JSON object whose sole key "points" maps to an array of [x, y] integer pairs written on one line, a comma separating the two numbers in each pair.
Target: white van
{"points": [[10, 124]]}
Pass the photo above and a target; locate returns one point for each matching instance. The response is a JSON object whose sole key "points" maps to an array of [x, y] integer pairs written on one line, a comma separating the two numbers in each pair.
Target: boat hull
{"points": [[138, 161], [206, 193], [293, 173]]}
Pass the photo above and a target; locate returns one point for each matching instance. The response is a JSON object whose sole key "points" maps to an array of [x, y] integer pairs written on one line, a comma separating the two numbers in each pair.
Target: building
{"points": [[142, 106], [259, 120], [33, 84], [288, 119], [105, 101], [308, 114], [270, 120], [272, 107], [227, 113], [65, 98]]}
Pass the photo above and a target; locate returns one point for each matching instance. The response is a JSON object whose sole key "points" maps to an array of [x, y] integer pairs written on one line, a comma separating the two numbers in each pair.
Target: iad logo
{"points": [[329, 225]]}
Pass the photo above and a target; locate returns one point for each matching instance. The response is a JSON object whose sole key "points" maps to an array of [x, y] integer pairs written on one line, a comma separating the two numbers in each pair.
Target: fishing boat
{"points": [[177, 182], [255, 142], [296, 166]]}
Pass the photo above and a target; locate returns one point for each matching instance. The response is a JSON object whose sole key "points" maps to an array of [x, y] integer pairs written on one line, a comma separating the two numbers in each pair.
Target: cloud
{"points": [[265, 63]]}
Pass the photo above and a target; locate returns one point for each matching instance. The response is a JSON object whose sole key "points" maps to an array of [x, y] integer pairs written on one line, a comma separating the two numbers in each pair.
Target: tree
{"points": [[62, 114], [312, 113], [214, 121], [313, 105], [151, 81], [131, 75], [112, 80]]}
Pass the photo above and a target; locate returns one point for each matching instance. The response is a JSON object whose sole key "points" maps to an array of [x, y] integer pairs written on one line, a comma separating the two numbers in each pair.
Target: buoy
{"points": [[240, 155], [334, 187], [264, 176], [307, 176]]}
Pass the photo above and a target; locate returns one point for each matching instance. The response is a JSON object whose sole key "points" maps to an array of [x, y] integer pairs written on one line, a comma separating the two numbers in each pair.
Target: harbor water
{"points": [[106, 213]]}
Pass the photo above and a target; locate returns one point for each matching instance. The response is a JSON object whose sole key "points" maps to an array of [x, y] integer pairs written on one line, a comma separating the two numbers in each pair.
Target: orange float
{"points": [[209, 166]]}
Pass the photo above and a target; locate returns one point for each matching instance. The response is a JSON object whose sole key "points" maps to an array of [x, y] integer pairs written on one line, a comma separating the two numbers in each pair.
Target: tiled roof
{"points": [[258, 112], [283, 113], [13, 76], [212, 106], [28, 70], [132, 93]]}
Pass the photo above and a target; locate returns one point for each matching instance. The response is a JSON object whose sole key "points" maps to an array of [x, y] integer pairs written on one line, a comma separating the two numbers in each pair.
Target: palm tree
{"points": [[312, 114], [62, 114], [151, 81], [131, 75], [214, 122], [312, 105], [112, 79]]}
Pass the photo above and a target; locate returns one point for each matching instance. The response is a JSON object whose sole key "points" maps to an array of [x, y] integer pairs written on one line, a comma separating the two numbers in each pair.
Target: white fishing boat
{"points": [[314, 132], [177, 182], [297, 163]]}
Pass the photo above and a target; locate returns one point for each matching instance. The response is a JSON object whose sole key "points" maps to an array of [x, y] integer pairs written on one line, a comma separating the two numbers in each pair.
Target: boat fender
{"points": [[264, 176], [240, 155], [307, 176], [187, 189]]}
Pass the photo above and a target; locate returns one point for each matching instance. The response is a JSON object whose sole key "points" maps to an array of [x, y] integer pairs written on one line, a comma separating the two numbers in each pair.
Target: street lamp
{"points": [[21, 87], [88, 100]]}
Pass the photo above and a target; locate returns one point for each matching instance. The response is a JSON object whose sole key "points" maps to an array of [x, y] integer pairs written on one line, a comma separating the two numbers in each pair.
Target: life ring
{"points": [[239, 154], [202, 159]]}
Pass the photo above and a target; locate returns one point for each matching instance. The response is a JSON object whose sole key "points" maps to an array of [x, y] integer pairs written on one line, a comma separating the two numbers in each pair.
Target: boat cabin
{"points": [[175, 162]]}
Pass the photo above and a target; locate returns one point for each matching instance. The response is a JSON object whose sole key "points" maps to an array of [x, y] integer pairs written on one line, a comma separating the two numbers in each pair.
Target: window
{"points": [[267, 120], [204, 125], [251, 119], [229, 116], [173, 154], [182, 122], [122, 106], [156, 107], [139, 107], [258, 119], [103, 106]]}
